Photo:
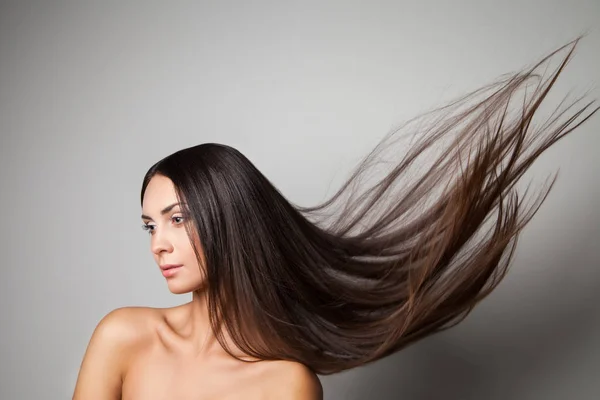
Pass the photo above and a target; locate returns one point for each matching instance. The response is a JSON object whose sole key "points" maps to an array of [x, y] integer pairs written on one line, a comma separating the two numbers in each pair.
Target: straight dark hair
{"points": [[372, 269]]}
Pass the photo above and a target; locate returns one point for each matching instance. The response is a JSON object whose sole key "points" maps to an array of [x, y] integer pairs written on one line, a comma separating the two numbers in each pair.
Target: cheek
{"points": [[187, 252]]}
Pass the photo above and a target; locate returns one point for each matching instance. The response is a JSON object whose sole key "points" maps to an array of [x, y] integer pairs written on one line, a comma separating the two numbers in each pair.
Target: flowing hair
{"points": [[375, 267]]}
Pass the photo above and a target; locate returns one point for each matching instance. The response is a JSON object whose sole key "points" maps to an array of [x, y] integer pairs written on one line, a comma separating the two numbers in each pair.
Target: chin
{"points": [[179, 291], [178, 288]]}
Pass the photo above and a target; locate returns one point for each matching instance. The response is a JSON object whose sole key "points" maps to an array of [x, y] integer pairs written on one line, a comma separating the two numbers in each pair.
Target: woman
{"points": [[282, 293]]}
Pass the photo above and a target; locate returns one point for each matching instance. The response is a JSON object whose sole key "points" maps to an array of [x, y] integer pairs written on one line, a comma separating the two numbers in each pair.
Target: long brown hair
{"points": [[376, 267]]}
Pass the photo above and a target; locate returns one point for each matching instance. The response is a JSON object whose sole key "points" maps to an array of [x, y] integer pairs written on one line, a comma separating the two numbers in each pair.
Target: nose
{"points": [[160, 243]]}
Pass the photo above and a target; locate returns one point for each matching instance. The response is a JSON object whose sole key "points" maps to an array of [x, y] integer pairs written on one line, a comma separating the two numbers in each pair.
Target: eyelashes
{"points": [[150, 228], [147, 227]]}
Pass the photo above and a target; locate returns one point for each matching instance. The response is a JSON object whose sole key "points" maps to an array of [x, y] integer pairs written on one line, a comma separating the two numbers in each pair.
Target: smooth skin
{"points": [[141, 353]]}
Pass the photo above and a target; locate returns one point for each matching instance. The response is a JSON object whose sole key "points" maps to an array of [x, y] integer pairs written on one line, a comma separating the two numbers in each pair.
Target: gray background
{"points": [[91, 94]]}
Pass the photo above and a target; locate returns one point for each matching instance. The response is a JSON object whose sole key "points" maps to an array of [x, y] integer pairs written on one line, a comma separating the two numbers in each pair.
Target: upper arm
{"points": [[101, 372], [297, 382]]}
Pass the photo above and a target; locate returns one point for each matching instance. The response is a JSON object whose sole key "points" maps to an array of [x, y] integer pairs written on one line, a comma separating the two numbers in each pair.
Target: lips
{"points": [[169, 270], [167, 267]]}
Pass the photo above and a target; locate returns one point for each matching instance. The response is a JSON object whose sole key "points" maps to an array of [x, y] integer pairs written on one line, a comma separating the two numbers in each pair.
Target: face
{"points": [[171, 248]]}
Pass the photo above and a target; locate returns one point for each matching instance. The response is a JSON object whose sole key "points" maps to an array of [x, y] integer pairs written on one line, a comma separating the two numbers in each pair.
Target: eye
{"points": [[177, 220], [148, 228]]}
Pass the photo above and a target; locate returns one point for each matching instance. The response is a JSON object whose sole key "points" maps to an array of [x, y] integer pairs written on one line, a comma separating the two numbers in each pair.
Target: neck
{"points": [[200, 332]]}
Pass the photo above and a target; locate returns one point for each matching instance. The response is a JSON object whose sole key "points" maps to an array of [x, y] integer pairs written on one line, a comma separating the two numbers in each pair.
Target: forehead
{"points": [[159, 193]]}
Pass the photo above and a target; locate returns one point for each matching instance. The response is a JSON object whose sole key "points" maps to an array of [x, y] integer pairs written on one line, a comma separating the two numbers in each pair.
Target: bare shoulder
{"points": [[114, 342], [294, 381], [127, 323], [126, 328]]}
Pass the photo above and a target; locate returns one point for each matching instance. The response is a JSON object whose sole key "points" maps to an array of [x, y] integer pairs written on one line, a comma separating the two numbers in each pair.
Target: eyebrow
{"points": [[164, 210]]}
